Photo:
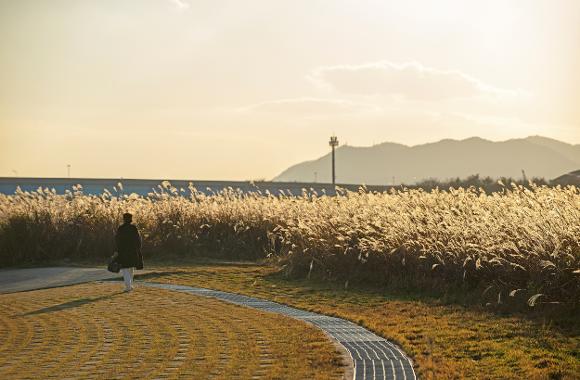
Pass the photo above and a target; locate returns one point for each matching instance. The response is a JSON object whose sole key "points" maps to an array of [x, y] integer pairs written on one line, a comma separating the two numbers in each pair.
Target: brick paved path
{"points": [[374, 357], [96, 331]]}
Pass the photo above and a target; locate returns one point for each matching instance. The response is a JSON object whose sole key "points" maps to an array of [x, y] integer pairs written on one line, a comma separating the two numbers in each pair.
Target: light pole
{"points": [[333, 143]]}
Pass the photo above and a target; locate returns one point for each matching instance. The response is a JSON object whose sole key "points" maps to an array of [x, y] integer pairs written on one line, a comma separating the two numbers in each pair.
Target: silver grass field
{"points": [[519, 246]]}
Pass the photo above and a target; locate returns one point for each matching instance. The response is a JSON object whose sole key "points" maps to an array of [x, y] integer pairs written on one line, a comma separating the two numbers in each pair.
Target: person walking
{"points": [[129, 255]]}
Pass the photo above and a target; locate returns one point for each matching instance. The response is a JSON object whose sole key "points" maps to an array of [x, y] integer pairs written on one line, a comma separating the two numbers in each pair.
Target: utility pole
{"points": [[68, 170], [333, 143], [315, 177]]}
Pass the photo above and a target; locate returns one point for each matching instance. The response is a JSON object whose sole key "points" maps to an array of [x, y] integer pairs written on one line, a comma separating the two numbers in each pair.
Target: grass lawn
{"points": [[96, 331], [446, 340]]}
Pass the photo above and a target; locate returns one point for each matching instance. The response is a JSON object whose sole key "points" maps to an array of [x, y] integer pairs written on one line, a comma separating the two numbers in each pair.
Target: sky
{"points": [[241, 90]]}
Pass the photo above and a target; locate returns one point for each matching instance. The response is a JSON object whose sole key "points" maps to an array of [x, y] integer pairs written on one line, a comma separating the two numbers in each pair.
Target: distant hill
{"points": [[378, 164], [572, 178]]}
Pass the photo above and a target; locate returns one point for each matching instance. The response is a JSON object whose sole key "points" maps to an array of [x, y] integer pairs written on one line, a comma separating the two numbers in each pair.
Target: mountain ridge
{"points": [[448, 158]]}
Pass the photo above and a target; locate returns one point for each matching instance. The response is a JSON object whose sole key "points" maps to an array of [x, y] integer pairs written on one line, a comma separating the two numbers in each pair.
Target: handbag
{"points": [[113, 265]]}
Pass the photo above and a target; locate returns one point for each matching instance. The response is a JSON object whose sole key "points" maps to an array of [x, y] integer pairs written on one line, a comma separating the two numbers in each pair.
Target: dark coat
{"points": [[129, 247]]}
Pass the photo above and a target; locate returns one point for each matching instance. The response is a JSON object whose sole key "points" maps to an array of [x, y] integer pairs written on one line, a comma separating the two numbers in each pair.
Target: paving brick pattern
{"points": [[97, 332], [374, 357]]}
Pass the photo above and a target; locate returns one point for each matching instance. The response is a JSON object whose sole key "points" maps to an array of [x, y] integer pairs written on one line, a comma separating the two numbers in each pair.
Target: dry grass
{"points": [[93, 331], [522, 245], [446, 341]]}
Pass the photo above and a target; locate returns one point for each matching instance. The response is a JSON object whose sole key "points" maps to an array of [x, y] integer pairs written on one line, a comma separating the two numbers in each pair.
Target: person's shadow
{"points": [[70, 304]]}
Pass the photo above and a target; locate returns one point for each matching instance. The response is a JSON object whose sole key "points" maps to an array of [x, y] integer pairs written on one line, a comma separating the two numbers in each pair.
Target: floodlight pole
{"points": [[333, 143]]}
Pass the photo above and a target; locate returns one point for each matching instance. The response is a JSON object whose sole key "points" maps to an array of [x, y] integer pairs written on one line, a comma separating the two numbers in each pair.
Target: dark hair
{"points": [[127, 217]]}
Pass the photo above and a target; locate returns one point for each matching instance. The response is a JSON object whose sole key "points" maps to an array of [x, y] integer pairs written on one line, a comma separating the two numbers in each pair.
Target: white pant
{"points": [[128, 277]]}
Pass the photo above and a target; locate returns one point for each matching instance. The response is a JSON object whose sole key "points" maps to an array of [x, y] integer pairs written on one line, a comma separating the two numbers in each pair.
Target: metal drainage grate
{"points": [[374, 357]]}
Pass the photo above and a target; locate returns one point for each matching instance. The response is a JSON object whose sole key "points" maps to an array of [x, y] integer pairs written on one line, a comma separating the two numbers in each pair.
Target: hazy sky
{"points": [[243, 89]]}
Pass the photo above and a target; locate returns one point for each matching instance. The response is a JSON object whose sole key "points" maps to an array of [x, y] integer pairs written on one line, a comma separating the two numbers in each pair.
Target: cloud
{"points": [[309, 106], [180, 4], [410, 80]]}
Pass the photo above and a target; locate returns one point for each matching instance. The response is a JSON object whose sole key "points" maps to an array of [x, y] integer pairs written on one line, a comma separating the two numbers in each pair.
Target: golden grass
{"points": [[446, 341], [93, 331], [518, 246]]}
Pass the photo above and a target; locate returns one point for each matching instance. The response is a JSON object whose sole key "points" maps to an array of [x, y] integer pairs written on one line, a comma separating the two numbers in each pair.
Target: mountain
{"points": [[572, 178], [377, 165]]}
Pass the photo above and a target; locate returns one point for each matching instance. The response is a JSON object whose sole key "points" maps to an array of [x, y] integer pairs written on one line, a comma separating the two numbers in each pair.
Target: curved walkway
{"points": [[374, 357], [97, 331]]}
